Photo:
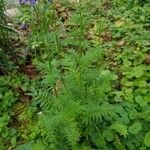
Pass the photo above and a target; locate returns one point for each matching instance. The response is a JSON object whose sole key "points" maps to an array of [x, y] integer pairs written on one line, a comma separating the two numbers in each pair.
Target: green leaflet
{"points": [[147, 139], [135, 128], [120, 128]]}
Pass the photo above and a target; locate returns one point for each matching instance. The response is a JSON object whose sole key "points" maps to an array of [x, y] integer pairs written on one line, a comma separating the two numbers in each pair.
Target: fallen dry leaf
{"points": [[29, 70], [23, 95], [147, 60], [119, 23], [106, 36], [121, 43], [58, 87]]}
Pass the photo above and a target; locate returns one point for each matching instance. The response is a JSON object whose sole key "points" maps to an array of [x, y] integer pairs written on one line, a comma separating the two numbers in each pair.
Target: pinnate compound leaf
{"points": [[120, 128]]}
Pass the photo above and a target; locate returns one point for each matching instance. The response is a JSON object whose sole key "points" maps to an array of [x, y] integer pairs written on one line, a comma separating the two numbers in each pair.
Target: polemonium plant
{"points": [[32, 2]]}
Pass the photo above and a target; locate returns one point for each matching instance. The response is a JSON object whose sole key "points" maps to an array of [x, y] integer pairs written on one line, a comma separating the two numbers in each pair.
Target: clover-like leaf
{"points": [[135, 128]]}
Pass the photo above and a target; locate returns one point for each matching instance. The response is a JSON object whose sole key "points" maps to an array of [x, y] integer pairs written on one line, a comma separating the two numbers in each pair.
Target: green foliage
{"points": [[147, 139], [7, 99], [135, 128], [5, 43], [4, 29], [92, 86]]}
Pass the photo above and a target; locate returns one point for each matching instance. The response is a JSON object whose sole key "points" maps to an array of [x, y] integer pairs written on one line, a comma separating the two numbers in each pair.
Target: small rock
{"points": [[12, 12], [10, 24]]}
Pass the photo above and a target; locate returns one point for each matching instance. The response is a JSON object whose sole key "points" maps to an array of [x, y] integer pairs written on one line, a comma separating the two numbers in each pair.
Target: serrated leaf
{"points": [[138, 71], [140, 101], [127, 63], [114, 77], [108, 134], [13, 140], [129, 83], [120, 128]]}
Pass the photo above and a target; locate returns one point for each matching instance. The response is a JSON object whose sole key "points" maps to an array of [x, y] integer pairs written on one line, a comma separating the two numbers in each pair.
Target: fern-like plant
{"points": [[76, 107], [74, 103]]}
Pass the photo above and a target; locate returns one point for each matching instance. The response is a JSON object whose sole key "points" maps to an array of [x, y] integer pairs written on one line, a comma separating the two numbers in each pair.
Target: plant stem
{"points": [[81, 34]]}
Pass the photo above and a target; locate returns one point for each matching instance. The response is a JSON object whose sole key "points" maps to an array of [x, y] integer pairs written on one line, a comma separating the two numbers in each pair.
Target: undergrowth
{"points": [[84, 83]]}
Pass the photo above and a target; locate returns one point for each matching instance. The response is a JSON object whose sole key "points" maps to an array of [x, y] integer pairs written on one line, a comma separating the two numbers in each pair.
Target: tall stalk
{"points": [[57, 48], [100, 23], [81, 36], [40, 28]]}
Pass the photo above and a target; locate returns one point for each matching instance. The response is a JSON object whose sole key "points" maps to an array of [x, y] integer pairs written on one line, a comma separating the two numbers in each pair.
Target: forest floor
{"points": [[76, 78]]}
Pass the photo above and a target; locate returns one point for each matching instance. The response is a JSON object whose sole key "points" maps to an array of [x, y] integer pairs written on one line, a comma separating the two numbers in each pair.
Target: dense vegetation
{"points": [[78, 77]]}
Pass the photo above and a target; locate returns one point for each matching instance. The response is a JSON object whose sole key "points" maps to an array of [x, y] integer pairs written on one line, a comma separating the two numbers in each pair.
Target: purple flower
{"points": [[32, 2], [23, 26]]}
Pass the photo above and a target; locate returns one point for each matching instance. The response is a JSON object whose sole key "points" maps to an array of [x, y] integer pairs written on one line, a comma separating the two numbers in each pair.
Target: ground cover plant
{"points": [[77, 77]]}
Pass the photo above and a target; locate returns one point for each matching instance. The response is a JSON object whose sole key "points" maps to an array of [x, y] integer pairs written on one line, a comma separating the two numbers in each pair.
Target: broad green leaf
{"points": [[140, 101], [142, 148], [108, 134], [147, 139], [135, 128], [138, 71], [127, 63], [114, 77], [117, 99], [13, 140], [98, 140], [142, 83], [5, 132], [129, 83]]}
